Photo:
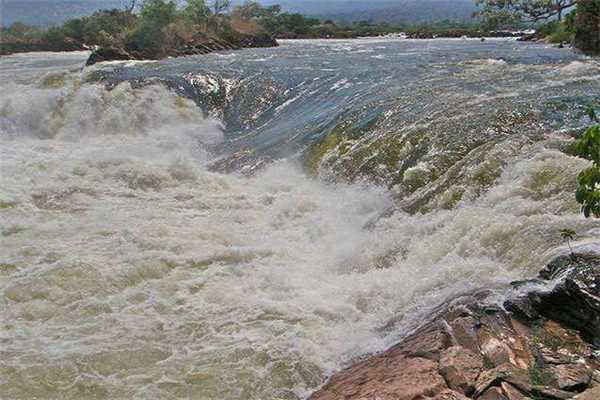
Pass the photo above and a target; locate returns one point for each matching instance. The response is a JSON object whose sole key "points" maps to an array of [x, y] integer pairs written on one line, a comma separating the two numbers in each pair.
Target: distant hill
{"points": [[404, 11], [51, 12]]}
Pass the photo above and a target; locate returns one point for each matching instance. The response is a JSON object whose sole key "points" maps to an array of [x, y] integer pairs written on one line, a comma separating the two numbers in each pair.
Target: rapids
{"points": [[163, 236]]}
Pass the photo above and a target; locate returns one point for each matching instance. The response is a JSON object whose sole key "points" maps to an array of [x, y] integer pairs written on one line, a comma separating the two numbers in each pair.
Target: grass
{"points": [[539, 376], [488, 363]]}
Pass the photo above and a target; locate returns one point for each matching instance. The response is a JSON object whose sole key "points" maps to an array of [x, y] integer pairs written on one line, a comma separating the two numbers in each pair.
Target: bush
{"points": [[587, 26], [106, 24], [75, 29], [158, 13], [561, 35], [557, 31], [588, 193], [197, 12], [55, 37]]}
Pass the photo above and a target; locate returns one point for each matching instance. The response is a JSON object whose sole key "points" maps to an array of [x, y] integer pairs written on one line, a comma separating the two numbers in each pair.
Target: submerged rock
{"points": [[472, 348]]}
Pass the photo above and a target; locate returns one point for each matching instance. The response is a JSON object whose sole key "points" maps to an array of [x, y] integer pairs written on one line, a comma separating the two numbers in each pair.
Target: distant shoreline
{"points": [[279, 40]]}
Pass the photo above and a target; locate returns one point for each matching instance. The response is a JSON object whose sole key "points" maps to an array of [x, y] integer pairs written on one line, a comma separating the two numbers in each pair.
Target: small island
{"points": [[150, 30]]}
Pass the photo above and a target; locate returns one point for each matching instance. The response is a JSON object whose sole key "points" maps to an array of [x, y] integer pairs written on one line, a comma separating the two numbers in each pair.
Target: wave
{"points": [[129, 269]]}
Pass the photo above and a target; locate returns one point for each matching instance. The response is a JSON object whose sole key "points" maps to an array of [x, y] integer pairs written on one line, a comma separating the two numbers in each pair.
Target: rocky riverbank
{"points": [[199, 44], [542, 344], [18, 46]]}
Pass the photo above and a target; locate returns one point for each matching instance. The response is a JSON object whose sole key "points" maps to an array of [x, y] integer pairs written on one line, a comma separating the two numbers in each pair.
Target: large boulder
{"points": [[590, 394], [108, 54], [568, 291]]}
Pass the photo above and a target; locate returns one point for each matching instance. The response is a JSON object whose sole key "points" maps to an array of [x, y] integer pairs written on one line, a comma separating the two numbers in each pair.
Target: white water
{"points": [[128, 270]]}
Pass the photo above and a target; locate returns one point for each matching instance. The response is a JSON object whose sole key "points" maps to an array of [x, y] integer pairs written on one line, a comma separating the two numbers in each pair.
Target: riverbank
{"points": [[198, 44], [541, 345], [158, 31]]}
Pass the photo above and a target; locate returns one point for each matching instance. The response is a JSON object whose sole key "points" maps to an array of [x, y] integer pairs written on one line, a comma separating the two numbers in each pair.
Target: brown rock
{"points": [[496, 350], [461, 368], [464, 331], [428, 343], [596, 376], [385, 378], [449, 395], [512, 393], [590, 394], [503, 373], [550, 393], [556, 357], [501, 343], [474, 348], [572, 377], [493, 393]]}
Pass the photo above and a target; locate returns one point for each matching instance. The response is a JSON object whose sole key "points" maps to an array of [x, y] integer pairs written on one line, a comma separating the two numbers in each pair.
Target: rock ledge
{"points": [[540, 346]]}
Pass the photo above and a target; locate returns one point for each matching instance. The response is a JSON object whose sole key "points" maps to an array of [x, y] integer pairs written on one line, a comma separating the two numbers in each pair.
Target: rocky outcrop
{"points": [[573, 300], [540, 346], [108, 54]]}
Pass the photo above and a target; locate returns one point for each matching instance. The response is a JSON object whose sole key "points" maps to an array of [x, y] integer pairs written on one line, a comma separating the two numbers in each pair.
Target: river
{"points": [[241, 225]]}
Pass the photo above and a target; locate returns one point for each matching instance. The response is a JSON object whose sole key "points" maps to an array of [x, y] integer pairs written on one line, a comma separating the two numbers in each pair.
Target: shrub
{"points": [[557, 31], [106, 24], [587, 26], [197, 12], [588, 193]]}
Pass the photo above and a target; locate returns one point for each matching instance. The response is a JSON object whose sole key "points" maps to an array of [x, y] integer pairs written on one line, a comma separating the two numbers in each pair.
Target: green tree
{"points": [[588, 193], [100, 28], [149, 36], [75, 29], [158, 13], [129, 5], [568, 235], [587, 26], [503, 11], [55, 37], [197, 11], [220, 6], [18, 29]]}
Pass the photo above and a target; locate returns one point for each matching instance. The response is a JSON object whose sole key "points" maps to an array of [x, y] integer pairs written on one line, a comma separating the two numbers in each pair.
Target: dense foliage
{"points": [[573, 21], [509, 11], [157, 27], [587, 26], [152, 28], [293, 25], [588, 193]]}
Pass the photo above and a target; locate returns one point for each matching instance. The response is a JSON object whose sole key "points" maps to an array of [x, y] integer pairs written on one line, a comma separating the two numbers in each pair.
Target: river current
{"points": [[240, 225]]}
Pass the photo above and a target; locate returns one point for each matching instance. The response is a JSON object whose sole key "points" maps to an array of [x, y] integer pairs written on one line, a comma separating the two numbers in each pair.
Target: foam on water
{"points": [[129, 270]]}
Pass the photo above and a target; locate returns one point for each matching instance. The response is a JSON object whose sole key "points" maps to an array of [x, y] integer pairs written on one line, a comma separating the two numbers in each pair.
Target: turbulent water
{"points": [[241, 225]]}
